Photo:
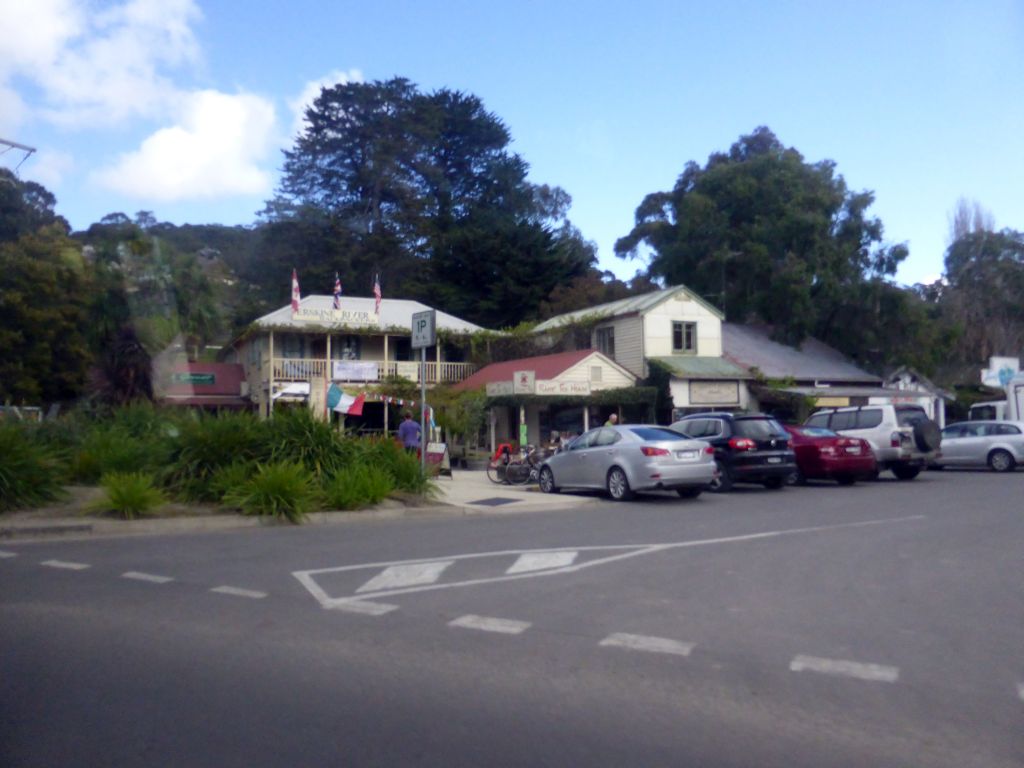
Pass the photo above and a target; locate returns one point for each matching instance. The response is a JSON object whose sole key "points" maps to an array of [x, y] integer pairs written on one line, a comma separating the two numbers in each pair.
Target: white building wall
{"points": [[610, 378], [658, 327]]}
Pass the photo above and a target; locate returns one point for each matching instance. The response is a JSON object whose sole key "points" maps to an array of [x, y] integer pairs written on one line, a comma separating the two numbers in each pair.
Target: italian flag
{"points": [[350, 405]]}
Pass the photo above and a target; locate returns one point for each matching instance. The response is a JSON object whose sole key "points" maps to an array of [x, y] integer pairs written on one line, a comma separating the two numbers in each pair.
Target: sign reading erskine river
{"points": [[345, 317]]}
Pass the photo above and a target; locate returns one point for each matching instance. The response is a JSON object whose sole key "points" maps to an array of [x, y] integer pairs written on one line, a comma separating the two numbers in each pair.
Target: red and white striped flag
{"points": [[351, 405], [295, 291], [376, 293]]}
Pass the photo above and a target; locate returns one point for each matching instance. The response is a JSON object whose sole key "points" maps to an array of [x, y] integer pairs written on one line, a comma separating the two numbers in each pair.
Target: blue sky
{"points": [[182, 107]]}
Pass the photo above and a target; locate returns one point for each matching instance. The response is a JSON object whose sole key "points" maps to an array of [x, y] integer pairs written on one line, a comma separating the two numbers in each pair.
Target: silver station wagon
{"points": [[631, 457], [998, 445]]}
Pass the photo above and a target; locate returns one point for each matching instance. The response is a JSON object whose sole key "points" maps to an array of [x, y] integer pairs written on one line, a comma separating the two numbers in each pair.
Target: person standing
{"points": [[409, 433]]}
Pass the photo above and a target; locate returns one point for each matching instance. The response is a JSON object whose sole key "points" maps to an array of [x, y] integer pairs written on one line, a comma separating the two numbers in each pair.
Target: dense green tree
{"points": [[984, 295], [422, 188], [44, 291], [767, 236], [25, 207]]}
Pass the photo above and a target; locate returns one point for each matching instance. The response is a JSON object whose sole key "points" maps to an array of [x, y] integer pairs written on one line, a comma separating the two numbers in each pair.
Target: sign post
{"points": [[424, 334]]}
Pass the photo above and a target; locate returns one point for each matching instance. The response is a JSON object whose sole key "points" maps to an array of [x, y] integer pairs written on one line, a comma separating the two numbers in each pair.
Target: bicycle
{"points": [[503, 469]]}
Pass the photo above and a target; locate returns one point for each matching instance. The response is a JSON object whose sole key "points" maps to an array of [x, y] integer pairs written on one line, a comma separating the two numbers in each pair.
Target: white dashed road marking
{"points": [[65, 564], [363, 606], [647, 643], [238, 592], [487, 624], [7, 554], [1020, 690], [138, 576], [873, 672], [411, 575], [538, 561]]}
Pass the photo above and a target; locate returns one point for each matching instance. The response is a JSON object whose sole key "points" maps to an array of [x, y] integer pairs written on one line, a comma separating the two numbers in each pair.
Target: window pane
{"points": [[869, 419], [677, 337], [656, 433]]}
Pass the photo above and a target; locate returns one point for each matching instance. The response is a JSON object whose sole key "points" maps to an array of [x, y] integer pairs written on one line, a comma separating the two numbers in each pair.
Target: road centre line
{"points": [[490, 624], [239, 592], [872, 672], [65, 565], [139, 576], [633, 550], [647, 643], [4, 554]]}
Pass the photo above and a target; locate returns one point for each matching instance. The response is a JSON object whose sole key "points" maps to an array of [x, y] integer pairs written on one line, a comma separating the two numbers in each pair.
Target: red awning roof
{"points": [[544, 366]]}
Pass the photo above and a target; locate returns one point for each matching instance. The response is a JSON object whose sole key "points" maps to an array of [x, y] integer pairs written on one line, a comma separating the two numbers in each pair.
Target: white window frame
{"points": [[685, 324]]}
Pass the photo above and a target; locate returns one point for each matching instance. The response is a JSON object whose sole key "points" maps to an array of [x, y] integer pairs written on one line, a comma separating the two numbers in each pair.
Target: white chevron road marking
{"points": [[538, 561], [618, 552], [65, 565], [151, 577], [411, 575]]}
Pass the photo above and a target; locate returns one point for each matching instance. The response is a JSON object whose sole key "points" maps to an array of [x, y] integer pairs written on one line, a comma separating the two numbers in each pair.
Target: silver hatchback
{"points": [[631, 457], [998, 445]]}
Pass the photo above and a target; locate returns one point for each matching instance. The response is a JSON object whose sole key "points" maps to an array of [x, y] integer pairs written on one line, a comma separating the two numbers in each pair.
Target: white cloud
{"points": [[312, 89], [94, 67], [214, 150], [49, 167]]}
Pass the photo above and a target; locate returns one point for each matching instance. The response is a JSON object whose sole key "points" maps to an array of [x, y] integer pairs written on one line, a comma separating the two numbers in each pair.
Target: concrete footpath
{"points": [[465, 493]]}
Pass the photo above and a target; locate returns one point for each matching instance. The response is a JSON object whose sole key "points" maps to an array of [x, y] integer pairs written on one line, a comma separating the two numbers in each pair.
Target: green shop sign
{"points": [[193, 378]]}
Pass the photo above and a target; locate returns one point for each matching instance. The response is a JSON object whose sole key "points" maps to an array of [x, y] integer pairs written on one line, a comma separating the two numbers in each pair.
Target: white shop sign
{"points": [[551, 387], [524, 382], [342, 317], [499, 388]]}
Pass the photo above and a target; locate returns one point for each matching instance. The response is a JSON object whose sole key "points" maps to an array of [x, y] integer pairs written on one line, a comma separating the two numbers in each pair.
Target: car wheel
{"points": [[547, 480], [723, 479], [1000, 460], [774, 483], [689, 493], [618, 485], [904, 472], [846, 479]]}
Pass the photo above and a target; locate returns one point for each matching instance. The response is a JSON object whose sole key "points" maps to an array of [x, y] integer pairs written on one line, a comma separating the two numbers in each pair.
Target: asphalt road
{"points": [[876, 625]]}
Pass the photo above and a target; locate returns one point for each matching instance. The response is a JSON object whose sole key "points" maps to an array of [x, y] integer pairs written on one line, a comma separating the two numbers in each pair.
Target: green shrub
{"points": [[225, 479], [358, 485], [109, 448], [295, 436], [209, 444], [30, 474], [282, 490], [128, 494], [404, 467]]}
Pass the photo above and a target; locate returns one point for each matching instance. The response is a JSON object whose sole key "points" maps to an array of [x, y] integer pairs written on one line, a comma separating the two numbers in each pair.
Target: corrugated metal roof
{"points": [[752, 347], [703, 367], [628, 306], [394, 313], [544, 366]]}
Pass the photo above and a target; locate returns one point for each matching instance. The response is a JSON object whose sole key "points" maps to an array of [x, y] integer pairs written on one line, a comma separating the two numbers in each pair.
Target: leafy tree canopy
{"points": [[767, 236], [423, 189]]}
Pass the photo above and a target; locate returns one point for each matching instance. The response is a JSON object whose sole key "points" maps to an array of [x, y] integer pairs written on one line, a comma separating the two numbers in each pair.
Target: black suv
{"points": [[749, 448]]}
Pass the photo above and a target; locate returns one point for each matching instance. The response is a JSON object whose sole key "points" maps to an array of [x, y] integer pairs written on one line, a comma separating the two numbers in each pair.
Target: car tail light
{"points": [[709, 449], [742, 444], [894, 440], [647, 450]]}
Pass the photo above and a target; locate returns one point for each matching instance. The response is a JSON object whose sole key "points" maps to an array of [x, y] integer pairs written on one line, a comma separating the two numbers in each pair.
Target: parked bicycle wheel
{"points": [[518, 473], [497, 472]]}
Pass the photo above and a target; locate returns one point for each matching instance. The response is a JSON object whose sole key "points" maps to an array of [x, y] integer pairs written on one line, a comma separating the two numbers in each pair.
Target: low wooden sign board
{"points": [[437, 454]]}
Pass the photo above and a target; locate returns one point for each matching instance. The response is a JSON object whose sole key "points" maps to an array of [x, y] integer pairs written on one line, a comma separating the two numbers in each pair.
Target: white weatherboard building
{"points": [[295, 356]]}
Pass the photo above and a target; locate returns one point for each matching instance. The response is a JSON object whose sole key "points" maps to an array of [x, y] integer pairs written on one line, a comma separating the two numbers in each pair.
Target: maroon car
{"points": [[821, 453]]}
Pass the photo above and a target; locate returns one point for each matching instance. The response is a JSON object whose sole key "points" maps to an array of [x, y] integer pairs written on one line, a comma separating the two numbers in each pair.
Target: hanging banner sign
{"points": [[354, 370]]}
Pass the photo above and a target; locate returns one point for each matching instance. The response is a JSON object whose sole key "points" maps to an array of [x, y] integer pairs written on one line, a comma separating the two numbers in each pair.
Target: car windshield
{"points": [[656, 433], [759, 428]]}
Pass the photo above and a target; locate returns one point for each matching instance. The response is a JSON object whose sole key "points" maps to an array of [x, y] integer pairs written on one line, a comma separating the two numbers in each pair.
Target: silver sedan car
{"points": [[995, 444], [631, 457]]}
